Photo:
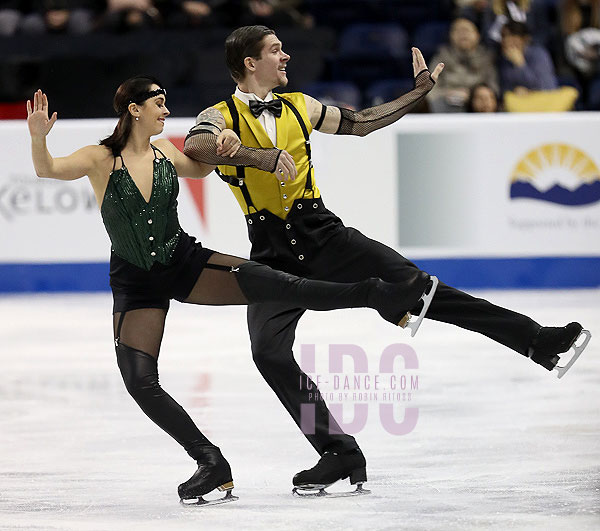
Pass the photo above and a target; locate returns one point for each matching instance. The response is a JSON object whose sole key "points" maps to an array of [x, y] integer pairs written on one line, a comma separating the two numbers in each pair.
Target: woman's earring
{"points": [[137, 118]]}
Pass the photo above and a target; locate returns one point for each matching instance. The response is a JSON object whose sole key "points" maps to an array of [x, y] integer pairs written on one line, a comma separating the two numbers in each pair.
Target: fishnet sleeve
{"points": [[361, 123], [201, 145]]}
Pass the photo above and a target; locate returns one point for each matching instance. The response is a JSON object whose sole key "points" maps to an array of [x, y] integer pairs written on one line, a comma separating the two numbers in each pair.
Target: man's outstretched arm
{"points": [[335, 120], [201, 145]]}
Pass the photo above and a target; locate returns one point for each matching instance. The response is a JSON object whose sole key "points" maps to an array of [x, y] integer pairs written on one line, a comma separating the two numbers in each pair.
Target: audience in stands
{"points": [[491, 15], [48, 16], [532, 38], [524, 66], [467, 63], [127, 15], [580, 26], [188, 13], [273, 13], [482, 98], [12, 13]]}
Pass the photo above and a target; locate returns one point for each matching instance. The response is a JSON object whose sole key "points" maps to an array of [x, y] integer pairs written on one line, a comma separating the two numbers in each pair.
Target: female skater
{"points": [[153, 260]]}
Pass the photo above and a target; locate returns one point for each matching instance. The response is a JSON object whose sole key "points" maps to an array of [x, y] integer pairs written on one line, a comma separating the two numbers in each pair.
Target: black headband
{"points": [[143, 96]]}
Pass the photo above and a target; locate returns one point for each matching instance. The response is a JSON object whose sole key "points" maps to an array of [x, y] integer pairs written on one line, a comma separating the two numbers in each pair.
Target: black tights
{"points": [[228, 280], [143, 329]]}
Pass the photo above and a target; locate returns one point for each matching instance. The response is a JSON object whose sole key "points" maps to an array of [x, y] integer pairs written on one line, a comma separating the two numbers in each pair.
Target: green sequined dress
{"points": [[152, 260]]}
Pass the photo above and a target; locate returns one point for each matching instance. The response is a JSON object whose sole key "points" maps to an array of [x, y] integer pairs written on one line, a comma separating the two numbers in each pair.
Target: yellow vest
{"points": [[266, 190]]}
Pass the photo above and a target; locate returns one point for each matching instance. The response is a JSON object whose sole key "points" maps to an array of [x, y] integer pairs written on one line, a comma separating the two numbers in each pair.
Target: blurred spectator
{"points": [[274, 13], [578, 14], [524, 66], [491, 15], [478, 11], [467, 63], [580, 26], [505, 11], [52, 16], [193, 13], [482, 98], [126, 15], [11, 14], [582, 50]]}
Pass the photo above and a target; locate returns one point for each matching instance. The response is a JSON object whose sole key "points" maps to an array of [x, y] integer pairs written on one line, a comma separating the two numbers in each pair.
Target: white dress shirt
{"points": [[266, 119]]}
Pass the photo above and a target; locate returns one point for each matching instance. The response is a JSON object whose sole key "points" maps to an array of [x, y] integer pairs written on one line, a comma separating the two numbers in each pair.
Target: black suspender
{"points": [[240, 170], [306, 142], [238, 180]]}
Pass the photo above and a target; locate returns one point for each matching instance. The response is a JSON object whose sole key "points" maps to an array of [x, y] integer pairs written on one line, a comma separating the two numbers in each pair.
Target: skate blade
{"points": [[320, 492], [578, 351], [414, 325], [200, 501]]}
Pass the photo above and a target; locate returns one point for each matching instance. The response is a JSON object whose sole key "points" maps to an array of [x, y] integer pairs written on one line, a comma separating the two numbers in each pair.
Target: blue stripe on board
{"points": [[466, 273], [84, 276], [519, 273]]}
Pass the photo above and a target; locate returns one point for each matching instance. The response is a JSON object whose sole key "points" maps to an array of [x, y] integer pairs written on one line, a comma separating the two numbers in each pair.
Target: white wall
{"points": [[432, 186]]}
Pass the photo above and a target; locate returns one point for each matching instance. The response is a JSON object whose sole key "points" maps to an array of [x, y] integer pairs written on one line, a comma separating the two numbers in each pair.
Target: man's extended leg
{"points": [[350, 256]]}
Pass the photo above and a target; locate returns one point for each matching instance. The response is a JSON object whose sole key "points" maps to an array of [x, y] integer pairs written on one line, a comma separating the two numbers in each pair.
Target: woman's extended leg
{"points": [[231, 280]]}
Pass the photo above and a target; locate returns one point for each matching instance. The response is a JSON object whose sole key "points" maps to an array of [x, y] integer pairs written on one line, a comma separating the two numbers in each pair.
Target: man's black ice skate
{"points": [[331, 468], [416, 295], [213, 473], [552, 341]]}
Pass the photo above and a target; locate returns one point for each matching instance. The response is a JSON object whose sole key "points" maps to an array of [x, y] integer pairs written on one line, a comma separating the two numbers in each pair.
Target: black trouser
{"points": [[349, 256]]}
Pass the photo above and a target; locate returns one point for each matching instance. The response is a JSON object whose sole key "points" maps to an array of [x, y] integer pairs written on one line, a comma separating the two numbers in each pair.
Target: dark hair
{"points": [[520, 29], [469, 107], [130, 91], [241, 43]]}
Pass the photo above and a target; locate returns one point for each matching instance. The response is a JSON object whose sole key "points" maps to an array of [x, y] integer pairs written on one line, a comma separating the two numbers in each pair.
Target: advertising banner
{"points": [[499, 201], [504, 186]]}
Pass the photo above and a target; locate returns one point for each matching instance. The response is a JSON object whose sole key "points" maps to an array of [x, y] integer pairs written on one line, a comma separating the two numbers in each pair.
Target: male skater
{"points": [[290, 229]]}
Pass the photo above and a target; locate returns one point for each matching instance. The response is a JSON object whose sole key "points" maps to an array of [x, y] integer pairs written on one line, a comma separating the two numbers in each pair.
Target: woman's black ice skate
{"points": [[417, 294], [213, 473], [552, 341], [331, 468]]}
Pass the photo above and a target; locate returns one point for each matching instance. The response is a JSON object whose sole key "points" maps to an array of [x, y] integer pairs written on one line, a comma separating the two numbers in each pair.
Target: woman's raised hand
{"points": [[37, 115], [228, 143]]}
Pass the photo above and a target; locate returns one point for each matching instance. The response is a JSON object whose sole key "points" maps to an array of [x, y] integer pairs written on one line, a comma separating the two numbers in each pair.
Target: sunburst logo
{"points": [[557, 173]]}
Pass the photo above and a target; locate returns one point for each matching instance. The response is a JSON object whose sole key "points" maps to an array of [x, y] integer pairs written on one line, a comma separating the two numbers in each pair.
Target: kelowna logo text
{"points": [[26, 196]]}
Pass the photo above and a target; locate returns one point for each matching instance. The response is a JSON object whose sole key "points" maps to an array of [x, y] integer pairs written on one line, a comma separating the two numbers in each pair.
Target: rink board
{"points": [[465, 273], [501, 202]]}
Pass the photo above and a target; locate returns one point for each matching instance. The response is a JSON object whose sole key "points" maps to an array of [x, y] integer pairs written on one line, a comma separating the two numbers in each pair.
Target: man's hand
{"points": [[286, 167], [419, 64]]}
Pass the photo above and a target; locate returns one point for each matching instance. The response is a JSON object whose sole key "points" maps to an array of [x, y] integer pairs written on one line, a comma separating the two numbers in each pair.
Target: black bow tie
{"points": [[257, 107]]}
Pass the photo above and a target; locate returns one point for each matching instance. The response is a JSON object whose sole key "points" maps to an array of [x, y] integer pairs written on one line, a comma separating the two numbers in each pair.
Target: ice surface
{"points": [[500, 443]]}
